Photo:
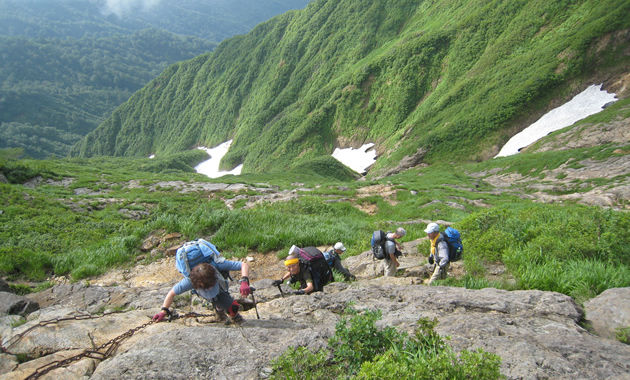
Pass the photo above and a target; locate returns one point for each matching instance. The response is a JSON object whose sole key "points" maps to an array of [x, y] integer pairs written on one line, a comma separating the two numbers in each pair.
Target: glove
{"points": [[245, 289], [299, 292], [431, 260], [277, 283], [159, 316]]}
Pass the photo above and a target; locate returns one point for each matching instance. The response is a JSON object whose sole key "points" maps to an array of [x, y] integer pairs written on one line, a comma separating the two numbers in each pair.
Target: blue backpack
{"points": [[454, 242], [194, 253]]}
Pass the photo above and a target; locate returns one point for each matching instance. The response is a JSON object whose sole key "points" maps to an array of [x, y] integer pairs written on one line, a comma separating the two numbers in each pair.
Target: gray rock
{"points": [[536, 334], [406, 163], [4, 287], [209, 352], [13, 304], [609, 311], [7, 363]]}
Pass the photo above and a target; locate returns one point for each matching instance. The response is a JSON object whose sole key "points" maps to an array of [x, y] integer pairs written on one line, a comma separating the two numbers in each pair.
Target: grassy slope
{"points": [[404, 74], [574, 249]]}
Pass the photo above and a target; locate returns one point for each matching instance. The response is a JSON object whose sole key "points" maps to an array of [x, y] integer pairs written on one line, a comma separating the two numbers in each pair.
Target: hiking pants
{"points": [[439, 273], [389, 268], [222, 301]]}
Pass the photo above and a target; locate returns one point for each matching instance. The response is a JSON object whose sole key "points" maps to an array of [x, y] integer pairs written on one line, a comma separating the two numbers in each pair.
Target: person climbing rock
{"points": [[334, 261], [187, 259], [308, 267], [439, 256]]}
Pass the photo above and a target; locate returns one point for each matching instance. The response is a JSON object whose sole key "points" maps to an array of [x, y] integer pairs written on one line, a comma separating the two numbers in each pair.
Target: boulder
{"points": [[609, 311], [4, 287], [13, 304]]}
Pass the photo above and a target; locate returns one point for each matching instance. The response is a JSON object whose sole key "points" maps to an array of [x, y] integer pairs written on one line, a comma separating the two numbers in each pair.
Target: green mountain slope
{"points": [[55, 91], [66, 64], [454, 77]]}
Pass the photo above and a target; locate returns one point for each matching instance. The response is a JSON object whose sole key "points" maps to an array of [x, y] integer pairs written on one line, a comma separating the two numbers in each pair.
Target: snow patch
{"points": [[358, 160], [210, 167], [586, 103]]}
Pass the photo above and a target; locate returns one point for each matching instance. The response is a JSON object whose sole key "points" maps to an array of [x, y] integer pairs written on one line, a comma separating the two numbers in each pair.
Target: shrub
{"points": [[359, 350], [359, 340]]}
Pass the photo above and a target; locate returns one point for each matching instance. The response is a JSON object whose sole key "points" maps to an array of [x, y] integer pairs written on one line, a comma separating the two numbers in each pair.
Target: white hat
{"points": [[339, 246], [432, 227], [293, 250]]}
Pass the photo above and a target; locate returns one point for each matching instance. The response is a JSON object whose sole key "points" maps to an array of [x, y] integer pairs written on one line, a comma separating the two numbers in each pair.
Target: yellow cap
{"points": [[291, 262]]}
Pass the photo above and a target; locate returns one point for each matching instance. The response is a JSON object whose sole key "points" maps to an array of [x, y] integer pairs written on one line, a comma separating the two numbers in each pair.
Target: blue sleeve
{"points": [[183, 286], [228, 265]]}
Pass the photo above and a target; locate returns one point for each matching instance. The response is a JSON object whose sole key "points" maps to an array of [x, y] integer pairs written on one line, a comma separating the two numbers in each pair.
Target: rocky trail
{"points": [[537, 334]]}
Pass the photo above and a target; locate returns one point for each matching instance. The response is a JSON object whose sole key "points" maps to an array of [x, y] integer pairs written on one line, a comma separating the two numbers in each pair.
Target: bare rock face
{"points": [[13, 304], [4, 287], [537, 334], [609, 311], [209, 352], [406, 163]]}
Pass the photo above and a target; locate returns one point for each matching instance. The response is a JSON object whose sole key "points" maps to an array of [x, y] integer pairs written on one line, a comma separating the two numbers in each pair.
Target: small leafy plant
{"points": [[623, 334], [360, 350]]}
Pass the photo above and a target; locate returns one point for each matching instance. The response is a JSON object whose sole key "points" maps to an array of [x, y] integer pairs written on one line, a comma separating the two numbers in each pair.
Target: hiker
{"points": [[312, 274], [439, 256], [187, 259], [393, 250], [334, 261]]}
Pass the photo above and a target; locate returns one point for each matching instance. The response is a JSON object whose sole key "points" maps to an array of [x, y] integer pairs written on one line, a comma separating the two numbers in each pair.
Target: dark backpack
{"points": [[378, 244], [313, 260], [454, 242]]}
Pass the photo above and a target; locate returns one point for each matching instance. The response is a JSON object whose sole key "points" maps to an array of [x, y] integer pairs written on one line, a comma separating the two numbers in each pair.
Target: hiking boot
{"points": [[220, 314], [237, 319]]}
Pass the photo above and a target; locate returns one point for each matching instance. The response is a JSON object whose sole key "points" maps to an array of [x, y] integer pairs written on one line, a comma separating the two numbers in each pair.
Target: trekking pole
{"points": [[254, 299], [281, 292]]}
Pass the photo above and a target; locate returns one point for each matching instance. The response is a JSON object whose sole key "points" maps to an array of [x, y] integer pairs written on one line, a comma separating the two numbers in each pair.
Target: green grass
{"points": [[576, 250], [78, 229]]}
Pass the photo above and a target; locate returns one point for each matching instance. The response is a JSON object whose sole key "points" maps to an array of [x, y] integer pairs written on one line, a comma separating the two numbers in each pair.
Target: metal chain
{"points": [[110, 347], [16, 338]]}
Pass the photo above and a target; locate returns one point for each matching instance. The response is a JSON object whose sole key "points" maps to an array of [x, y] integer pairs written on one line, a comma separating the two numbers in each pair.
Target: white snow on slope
{"points": [[586, 103], [210, 167], [356, 159]]}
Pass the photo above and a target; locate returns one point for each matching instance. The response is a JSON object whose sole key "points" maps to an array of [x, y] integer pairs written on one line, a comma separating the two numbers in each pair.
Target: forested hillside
{"points": [[455, 78], [66, 64], [212, 20], [55, 91]]}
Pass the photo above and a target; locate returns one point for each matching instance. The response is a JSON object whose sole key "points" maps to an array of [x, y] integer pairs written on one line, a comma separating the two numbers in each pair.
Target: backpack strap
{"points": [[223, 283], [216, 255], [183, 255]]}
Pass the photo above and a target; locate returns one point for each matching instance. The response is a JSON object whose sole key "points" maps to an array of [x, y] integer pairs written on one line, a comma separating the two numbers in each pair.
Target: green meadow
{"points": [[87, 227]]}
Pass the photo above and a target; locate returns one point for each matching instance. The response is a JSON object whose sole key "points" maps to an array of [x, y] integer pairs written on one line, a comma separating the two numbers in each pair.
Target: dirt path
{"points": [[163, 271]]}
